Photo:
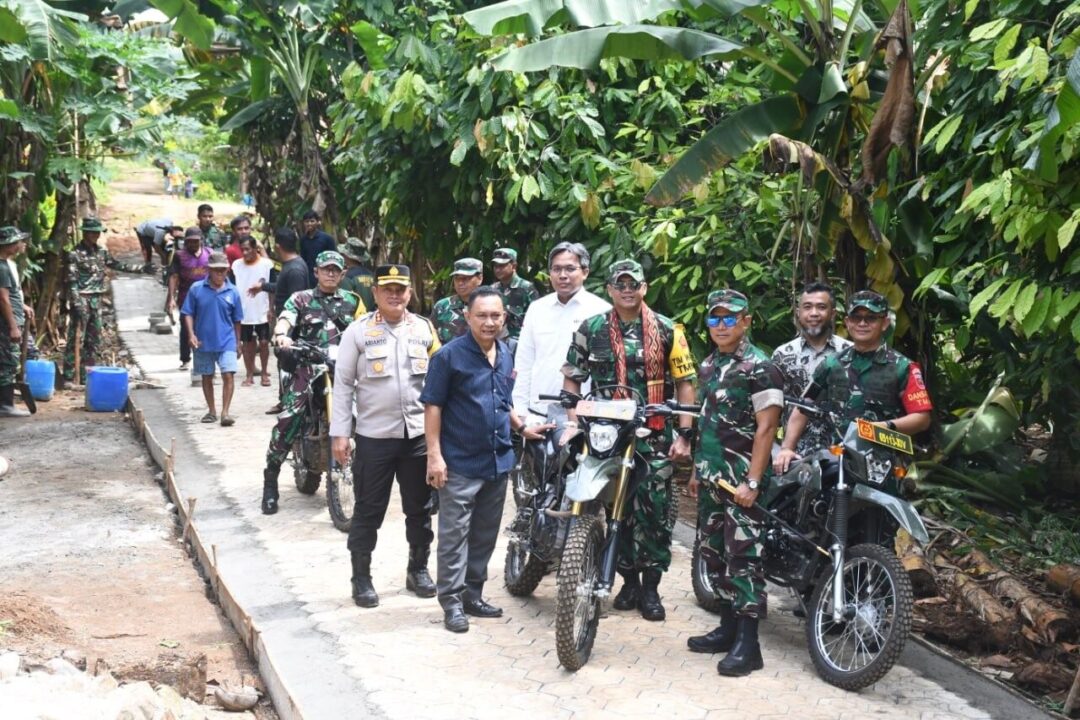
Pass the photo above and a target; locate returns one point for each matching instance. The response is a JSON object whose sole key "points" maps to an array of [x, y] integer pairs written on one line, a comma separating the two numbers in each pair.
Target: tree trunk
{"points": [[923, 577], [1065, 579], [1000, 621]]}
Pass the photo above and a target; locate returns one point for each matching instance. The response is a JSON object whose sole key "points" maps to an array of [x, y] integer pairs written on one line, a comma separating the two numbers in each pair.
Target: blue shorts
{"points": [[205, 361]]}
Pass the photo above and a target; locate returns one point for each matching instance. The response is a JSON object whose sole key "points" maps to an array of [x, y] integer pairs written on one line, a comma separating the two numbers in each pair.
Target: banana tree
{"points": [[820, 96]]}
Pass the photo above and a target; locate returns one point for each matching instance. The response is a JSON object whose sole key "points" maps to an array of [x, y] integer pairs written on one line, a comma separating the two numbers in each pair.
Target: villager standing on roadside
{"points": [[189, 265], [13, 316]]}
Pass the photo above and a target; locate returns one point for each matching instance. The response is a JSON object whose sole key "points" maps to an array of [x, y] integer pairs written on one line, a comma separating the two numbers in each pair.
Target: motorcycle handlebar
{"points": [[805, 405]]}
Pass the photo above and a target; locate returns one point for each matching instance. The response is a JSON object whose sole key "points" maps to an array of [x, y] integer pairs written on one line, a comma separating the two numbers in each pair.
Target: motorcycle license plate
{"points": [[607, 409], [891, 439]]}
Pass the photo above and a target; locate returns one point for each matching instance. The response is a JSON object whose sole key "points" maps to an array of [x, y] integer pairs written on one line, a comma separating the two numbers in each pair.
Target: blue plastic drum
{"points": [[106, 388], [41, 377]]}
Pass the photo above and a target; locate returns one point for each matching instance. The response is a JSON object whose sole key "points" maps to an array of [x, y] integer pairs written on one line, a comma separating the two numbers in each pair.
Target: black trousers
{"points": [[185, 343], [375, 464]]}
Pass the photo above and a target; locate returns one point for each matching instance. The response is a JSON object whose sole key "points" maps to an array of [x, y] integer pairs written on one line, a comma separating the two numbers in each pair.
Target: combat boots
{"points": [[417, 579], [627, 599], [722, 639], [7, 403], [649, 602], [363, 591], [745, 656], [270, 491]]}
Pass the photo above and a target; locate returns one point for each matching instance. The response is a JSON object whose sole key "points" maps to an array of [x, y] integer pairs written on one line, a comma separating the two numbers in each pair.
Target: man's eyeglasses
{"points": [[864, 318], [728, 321], [331, 270], [564, 269], [627, 286]]}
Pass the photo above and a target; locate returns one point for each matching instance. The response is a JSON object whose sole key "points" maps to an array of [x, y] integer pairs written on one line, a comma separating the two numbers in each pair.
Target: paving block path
{"points": [[398, 660]]}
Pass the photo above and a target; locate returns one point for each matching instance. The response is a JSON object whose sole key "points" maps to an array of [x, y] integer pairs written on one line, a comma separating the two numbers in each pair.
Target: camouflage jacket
{"points": [[360, 280], [215, 238], [879, 385], [320, 319], [449, 318], [517, 297], [85, 269], [798, 360], [733, 388]]}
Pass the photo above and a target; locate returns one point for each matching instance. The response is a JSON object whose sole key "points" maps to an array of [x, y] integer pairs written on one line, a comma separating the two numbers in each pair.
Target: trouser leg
{"points": [[646, 541], [92, 336], [374, 462], [185, 344], [290, 419], [9, 358], [710, 534], [456, 502], [483, 534], [415, 492], [744, 580]]}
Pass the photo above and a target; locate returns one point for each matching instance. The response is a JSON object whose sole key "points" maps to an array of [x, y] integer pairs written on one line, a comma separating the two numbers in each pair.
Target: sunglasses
{"points": [[864, 318], [728, 321], [625, 285]]}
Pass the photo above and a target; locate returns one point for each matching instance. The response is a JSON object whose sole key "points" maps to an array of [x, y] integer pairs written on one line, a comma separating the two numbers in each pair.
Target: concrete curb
{"points": [[206, 556]]}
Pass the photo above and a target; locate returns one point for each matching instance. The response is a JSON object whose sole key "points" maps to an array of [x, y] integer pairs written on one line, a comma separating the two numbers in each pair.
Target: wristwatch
{"points": [[753, 484], [686, 433], [891, 425]]}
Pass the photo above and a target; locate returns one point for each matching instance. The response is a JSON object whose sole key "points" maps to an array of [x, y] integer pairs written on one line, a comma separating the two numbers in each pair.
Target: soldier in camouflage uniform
{"points": [[13, 316], [866, 380], [359, 277], [449, 313], [517, 293], [318, 316], [213, 237], [85, 282], [742, 395], [634, 346]]}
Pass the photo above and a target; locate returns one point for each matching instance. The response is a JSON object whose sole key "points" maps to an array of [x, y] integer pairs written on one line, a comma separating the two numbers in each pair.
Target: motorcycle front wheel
{"points": [[307, 481], [858, 650], [577, 607], [340, 498]]}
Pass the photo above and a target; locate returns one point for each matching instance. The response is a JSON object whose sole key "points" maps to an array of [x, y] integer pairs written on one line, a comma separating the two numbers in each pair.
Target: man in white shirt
{"points": [[549, 325], [249, 270]]}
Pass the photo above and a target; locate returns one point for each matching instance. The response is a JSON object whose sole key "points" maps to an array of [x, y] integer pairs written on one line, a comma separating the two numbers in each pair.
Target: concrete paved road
{"points": [[397, 661]]}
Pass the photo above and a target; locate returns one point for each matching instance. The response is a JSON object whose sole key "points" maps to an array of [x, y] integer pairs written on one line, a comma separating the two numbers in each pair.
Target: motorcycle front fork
{"points": [[609, 553], [839, 528]]}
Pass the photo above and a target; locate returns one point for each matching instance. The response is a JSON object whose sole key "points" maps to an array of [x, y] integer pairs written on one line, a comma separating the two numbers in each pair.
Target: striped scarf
{"points": [[654, 359]]}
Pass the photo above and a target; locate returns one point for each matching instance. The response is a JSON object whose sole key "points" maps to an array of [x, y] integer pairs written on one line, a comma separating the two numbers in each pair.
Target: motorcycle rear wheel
{"points": [[522, 570], [577, 608], [307, 481], [340, 498], [852, 654]]}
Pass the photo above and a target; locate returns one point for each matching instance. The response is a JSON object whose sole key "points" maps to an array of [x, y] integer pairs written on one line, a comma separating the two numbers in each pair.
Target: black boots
{"points": [[745, 656], [270, 492], [627, 599], [7, 403], [417, 579], [719, 640], [649, 602], [363, 592]]}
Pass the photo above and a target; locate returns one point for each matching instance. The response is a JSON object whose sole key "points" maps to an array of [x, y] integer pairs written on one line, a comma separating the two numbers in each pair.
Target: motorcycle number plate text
{"points": [[608, 409], [891, 439]]}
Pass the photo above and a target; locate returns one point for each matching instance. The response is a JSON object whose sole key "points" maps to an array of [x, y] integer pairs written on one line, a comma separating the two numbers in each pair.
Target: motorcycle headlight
{"points": [[602, 437]]}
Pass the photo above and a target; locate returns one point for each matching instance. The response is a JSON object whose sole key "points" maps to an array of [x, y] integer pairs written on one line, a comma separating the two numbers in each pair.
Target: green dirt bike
{"points": [[829, 525]]}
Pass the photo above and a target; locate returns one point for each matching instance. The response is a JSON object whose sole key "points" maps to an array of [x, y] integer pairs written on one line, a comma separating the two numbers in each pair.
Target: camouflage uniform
{"points": [[215, 238], [878, 386], [9, 279], [318, 319], [360, 278], [517, 296], [448, 315], [798, 360], [733, 388], [648, 543], [86, 282]]}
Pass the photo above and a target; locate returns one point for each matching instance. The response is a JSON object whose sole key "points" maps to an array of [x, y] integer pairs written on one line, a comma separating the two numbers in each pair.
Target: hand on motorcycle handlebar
{"points": [[283, 341], [744, 496], [536, 432], [339, 446], [568, 435], [680, 450], [783, 460], [436, 471]]}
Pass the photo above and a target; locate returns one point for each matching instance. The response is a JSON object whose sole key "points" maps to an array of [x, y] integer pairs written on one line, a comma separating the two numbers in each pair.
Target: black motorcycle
{"points": [[828, 533], [311, 454]]}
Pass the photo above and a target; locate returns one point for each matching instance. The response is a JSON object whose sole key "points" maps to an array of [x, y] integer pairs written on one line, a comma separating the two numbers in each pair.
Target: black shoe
{"points": [[649, 602], [417, 579], [274, 410], [454, 620], [719, 640], [627, 599], [481, 609], [745, 656], [270, 491], [363, 591]]}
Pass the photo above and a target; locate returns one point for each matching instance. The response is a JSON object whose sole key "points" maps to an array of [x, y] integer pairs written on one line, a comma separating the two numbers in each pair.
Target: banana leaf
{"points": [[530, 17], [989, 425]]}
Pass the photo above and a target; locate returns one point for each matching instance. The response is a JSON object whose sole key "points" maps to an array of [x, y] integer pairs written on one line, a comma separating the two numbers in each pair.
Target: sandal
{"points": [[209, 418], [248, 382], [227, 421], [266, 381]]}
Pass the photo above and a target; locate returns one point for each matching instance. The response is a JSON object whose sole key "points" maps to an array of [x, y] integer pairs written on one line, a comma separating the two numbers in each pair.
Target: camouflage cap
{"points": [[872, 301], [392, 275], [467, 266], [355, 249], [504, 255], [731, 300], [218, 261], [92, 224], [329, 257], [626, 267], [10, 235]]}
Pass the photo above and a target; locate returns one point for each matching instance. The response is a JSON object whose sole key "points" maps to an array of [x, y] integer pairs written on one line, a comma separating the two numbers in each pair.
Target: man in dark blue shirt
{"points": [[313, 242], [468, 415]]}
